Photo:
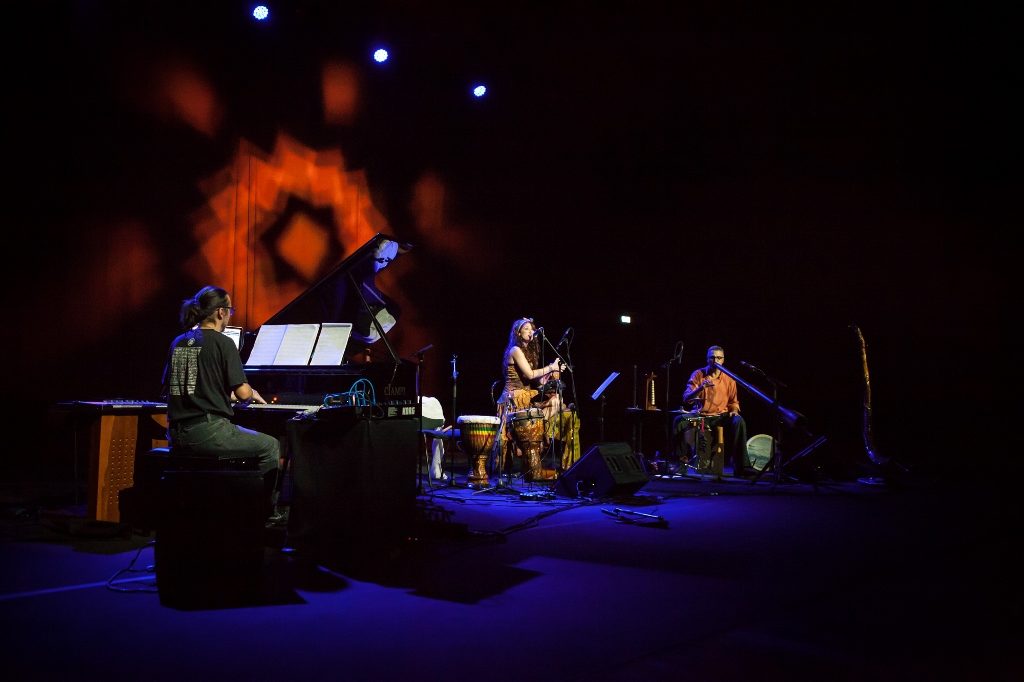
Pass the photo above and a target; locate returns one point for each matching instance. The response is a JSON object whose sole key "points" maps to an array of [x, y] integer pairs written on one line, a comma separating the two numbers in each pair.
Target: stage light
{"points": [[261, 12], [625, 319], [479, 90], [380, 55]]}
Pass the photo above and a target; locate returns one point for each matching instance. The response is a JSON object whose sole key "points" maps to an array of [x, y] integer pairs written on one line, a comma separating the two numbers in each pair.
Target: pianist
{"points": [[202, 374]]}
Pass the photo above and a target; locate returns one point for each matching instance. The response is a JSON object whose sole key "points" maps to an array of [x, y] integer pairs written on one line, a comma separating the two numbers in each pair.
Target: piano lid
{"points": [[349, 293]]}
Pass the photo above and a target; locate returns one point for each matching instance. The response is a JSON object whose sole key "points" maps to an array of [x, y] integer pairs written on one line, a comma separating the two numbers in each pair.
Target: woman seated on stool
{"points": [[519, 364]]}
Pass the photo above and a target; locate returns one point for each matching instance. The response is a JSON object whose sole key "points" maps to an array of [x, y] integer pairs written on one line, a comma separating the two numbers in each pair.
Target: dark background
{"points": [[759, 178]]}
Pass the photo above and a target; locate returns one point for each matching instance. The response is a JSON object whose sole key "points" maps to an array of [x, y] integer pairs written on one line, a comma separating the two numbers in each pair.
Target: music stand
{"points": [[599, 393]]}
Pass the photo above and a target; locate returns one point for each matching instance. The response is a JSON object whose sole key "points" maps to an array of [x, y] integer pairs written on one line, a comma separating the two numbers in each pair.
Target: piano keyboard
{"points": [[279, 406], [124, 407]]}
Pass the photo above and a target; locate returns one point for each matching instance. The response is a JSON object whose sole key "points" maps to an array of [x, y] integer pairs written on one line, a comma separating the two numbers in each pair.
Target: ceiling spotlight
{"points": [[380, 55], [260, 12], [479, 90]]}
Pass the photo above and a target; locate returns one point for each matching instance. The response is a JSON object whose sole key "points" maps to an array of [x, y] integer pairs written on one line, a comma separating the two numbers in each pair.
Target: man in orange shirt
{"points": [[713, 394]]}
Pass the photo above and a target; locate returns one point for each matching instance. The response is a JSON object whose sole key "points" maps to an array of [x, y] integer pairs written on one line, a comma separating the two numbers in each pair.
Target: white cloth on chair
{"points": [[433, 411], [432, 408]]}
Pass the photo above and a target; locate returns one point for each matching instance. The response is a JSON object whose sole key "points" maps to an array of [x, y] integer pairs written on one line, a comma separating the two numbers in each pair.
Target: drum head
{"points": [[529, 413], [478, 419], [759, 450]]}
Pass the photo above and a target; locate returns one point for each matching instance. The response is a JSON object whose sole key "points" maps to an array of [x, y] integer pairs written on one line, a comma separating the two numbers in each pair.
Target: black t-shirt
{"points": [[203, 367]]}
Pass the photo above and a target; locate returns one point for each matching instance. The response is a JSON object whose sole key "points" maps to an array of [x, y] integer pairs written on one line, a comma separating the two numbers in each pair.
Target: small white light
{"points": [[380, 55], [625, 319], [479, 90], [260, 12]]}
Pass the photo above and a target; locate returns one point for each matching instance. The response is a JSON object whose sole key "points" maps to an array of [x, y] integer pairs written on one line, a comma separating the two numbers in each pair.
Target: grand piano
{"points": [[353, 468], [348, 293]]}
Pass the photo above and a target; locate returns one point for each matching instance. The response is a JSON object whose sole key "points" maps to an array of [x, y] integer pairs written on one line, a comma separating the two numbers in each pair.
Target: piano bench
{"points": [[140, 506], [158, 460]]}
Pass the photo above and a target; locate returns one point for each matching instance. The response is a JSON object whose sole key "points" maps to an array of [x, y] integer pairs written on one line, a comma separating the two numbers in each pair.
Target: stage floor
{"points": [[682, 579]]}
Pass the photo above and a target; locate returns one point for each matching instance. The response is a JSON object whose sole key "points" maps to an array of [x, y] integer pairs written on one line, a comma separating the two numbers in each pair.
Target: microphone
{"points": [[538, 331], [679, 353], [565, 335], [750, 366]]}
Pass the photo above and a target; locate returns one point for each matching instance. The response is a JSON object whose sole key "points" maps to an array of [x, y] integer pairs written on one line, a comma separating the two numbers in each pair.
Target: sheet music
{"points": [[297, 344], [283, 344], [331, 344], [264, 349]]}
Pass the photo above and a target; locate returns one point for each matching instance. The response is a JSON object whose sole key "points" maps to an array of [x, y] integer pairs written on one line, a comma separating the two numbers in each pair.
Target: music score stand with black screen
{"points": [[599, 393]]}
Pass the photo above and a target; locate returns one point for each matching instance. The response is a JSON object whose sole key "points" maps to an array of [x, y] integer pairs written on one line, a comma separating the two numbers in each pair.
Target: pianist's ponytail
{"points": [[196, 309]]}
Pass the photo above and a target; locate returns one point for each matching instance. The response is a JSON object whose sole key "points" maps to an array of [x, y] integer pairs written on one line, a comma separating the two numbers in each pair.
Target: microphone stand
{"points": [[455, 383], [574, 422], [775, 456], [779, 413], [419, 408], [558, 391], [634, 413]]}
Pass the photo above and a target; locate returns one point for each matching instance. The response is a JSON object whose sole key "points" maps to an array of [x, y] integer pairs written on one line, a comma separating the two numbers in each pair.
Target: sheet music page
{"points": [[264, 349], [296, 344], [330, 346]]}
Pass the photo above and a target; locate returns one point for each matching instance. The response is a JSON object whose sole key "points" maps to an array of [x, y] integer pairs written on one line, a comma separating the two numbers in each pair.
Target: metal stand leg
{"points": [[500, 460]]}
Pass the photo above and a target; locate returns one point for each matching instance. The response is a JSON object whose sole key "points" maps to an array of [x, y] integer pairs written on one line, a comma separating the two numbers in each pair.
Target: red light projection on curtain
{"points": [[340, 84], [274, 223]]}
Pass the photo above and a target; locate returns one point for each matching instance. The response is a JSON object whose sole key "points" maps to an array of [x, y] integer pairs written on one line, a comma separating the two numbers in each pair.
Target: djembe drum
{"points": [[527, 428], [476, 433]]}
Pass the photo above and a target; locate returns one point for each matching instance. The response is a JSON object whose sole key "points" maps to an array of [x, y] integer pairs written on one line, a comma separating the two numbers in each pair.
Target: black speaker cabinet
{"points": [[605, 470], [209, 538]]}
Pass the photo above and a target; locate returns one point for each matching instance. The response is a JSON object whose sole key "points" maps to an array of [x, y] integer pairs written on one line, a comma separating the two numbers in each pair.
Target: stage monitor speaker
{"points": [[605, 470]]}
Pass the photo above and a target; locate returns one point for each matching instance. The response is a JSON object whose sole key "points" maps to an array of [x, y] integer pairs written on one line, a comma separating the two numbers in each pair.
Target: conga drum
{"points": [[527, 427], [476, 433]]}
